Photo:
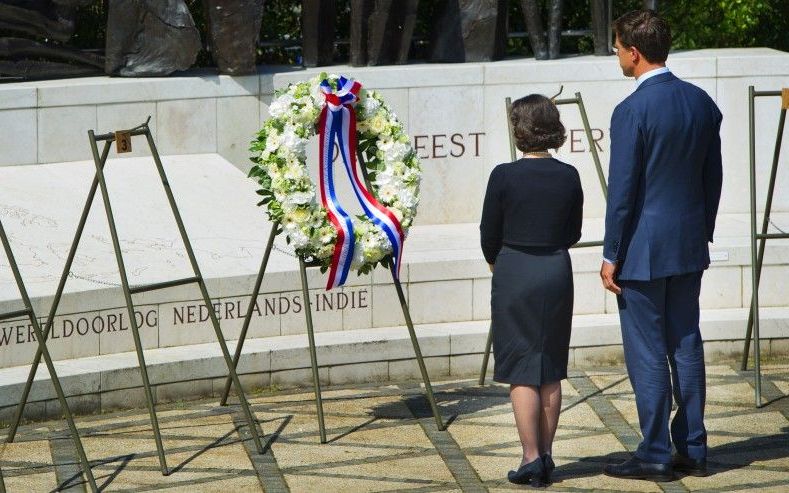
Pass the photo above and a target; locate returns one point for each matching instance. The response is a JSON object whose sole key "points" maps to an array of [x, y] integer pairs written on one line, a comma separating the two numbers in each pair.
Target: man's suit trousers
{"points": [[664, 355]]}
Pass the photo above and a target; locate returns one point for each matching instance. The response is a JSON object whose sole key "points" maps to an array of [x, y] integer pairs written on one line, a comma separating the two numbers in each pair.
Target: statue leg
{"points": [[531, 13], [600, 27], [360, 12], [555, 28]]}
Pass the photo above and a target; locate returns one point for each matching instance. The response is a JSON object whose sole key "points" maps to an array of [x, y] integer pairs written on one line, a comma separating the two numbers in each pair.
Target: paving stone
{"points": [[382, 437]]}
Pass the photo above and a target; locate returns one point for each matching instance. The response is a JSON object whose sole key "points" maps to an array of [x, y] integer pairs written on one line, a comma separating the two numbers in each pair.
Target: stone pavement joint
{"points": [[446, 446], [265, 464], [67, 465]]}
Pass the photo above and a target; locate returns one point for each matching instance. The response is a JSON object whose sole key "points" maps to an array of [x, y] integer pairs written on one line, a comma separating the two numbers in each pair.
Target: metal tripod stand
{"points": [[42, 350], [303, 264], [197, 278], [757, 259]]}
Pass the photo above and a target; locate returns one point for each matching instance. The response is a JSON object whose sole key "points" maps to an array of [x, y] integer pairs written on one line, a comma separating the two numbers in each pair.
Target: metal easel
{"points": [[757, 259], [123, 138], [303, 264], [42, 349], [600, 176]]}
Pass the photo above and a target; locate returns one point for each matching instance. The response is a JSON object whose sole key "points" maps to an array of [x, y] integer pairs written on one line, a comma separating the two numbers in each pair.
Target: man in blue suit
{"points": [[664, 186]]}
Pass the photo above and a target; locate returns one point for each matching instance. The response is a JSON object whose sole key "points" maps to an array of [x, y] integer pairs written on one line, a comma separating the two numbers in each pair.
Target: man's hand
{"points": [[607, 272], [490, 266]]}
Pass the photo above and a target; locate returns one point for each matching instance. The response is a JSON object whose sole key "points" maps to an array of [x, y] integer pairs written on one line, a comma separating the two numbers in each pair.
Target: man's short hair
{"points": [[649, 33]]}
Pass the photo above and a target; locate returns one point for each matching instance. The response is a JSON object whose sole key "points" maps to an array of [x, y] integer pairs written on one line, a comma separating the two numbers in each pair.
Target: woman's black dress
{"points": [[532, 213]]}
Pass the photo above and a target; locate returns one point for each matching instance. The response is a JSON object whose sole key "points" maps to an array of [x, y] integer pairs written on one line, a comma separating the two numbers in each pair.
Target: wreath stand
{"points": [[303, 264], [603, 186], [42, 350], [123, 144], [758, 258]]}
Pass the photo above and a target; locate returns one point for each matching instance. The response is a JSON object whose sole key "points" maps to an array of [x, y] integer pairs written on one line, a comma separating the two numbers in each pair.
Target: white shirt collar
{"points": [[646, 75]]}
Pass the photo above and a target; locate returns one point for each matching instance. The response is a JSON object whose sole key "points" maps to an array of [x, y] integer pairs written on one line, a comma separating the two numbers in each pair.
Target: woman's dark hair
{"points": [[536, 124], [647, 31]]}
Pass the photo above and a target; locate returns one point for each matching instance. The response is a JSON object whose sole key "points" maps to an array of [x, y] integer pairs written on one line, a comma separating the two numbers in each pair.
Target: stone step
{"points": [[108, 382]]}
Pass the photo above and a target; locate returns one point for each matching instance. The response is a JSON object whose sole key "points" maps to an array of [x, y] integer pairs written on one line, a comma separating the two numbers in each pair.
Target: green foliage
{"points": [[728, 23]]}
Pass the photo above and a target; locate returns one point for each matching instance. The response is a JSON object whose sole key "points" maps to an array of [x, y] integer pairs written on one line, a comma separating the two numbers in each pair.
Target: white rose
{"points": [[396, 152], [378, 124], [407, 197], [370, 105], [299, 238], [385, 142], [292, 141], [300, 197], [281, 105], [383, 177]]}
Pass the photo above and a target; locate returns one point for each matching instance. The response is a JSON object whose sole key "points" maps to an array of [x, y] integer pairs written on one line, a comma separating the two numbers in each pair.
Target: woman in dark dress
{"points": [[531, 215]]}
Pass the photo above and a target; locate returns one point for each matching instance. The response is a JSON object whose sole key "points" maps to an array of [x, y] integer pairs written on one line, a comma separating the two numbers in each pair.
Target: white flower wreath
{"points": [[279, 153]]}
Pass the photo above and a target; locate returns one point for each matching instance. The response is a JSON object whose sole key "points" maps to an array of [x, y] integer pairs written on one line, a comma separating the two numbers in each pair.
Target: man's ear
{"points": [[635, 55]]}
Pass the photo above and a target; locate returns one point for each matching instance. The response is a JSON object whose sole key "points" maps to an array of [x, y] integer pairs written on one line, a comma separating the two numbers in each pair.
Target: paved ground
{"points": [[383, 438]]}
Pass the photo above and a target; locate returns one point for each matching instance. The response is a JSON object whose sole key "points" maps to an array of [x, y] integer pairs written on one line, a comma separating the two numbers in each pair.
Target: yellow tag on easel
{"points": [[785, 98], [123, 141]]}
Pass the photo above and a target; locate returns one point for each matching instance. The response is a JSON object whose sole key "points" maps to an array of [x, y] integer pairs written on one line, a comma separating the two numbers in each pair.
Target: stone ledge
{"points": [[197, 83], [450, 349]]}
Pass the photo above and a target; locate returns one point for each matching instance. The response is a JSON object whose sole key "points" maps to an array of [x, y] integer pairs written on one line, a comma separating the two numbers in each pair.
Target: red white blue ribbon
{"points": [[338, 122]]}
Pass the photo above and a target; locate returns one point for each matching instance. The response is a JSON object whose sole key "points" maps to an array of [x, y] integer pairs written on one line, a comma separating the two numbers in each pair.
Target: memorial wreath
{"points": [[357, 122]]}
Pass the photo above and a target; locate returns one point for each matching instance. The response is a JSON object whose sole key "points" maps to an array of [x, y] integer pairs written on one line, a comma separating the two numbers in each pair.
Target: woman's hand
{"points": [[490, 266]]}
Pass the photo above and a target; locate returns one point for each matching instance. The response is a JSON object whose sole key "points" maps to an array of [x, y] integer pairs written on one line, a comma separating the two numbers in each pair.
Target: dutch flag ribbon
{"points": [[338, 123]]}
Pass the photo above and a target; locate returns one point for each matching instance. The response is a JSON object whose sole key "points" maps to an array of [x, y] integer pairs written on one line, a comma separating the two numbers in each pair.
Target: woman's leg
{"points": [[551, 405], [527, 409]]}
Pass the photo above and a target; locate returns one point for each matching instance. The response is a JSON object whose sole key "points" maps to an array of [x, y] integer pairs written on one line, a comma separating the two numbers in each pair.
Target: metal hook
{"points": [[561, 88], [142, 125]]}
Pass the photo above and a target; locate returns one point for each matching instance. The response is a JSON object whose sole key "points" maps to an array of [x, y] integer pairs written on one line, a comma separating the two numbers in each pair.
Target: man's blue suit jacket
{"points": [[664, 180]]}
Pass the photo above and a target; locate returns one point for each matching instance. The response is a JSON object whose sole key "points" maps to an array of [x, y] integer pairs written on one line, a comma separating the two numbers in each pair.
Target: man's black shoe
{"points": [[691, 467], [635, 468]]}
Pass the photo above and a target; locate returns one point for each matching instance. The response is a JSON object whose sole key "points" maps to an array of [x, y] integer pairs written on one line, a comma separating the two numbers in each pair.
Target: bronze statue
{"points": [[381, 31], [234, 27], [46, 19], [532, 12], [469, 31], [150, 37]]}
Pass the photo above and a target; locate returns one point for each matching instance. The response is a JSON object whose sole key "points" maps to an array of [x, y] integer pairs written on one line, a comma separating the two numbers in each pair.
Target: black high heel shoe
{"points": [[531, 473], [549, 465]]}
